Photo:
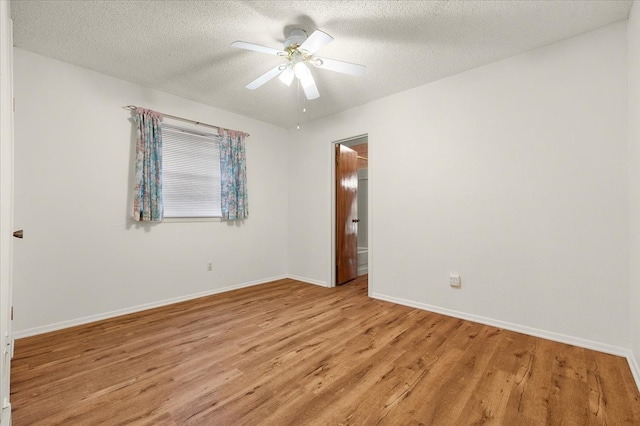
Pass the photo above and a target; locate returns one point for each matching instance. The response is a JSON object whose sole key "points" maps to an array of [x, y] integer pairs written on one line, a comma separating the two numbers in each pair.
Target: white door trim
{"points": [[6, 206]]}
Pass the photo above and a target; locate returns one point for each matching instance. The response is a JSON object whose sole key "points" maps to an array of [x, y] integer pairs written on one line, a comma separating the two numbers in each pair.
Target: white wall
{"points": [[513, 175], [633, 38], [82, 256]]}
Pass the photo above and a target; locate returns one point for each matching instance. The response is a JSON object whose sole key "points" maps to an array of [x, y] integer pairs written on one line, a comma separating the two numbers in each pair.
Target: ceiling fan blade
{"points": [[306, 80], [316, 41], [339, 66], [264, 78], [257, 48], [311, 90]]}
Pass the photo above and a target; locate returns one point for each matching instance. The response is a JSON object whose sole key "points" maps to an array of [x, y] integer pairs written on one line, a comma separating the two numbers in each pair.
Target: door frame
{"points": [[6, 208], [332, 183]]}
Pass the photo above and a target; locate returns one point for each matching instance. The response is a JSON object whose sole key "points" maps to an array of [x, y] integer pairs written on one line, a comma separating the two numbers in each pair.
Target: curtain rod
{"points": [[197, 123]]}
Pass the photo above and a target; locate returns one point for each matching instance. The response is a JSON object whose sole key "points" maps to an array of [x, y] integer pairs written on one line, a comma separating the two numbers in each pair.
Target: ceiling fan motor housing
{"points": [[298, 51], [296, 37]]}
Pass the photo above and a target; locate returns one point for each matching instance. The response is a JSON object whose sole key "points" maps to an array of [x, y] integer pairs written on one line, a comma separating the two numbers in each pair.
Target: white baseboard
{"points": [[584, 343], [106, 315], [550, 335], [635, 368], [308, 280], [363, 269], [5, 419]]}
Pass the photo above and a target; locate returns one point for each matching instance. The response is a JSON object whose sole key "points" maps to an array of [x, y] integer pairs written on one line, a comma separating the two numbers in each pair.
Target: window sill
{"points": [[191, 219]]}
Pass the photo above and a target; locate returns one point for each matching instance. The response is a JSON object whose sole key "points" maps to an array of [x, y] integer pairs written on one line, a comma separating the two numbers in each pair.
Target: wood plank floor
{"points": [[288, 353]]}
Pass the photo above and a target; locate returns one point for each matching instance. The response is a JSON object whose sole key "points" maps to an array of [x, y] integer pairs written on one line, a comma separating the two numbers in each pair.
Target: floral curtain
{"points": [[233, 179], [147, 198]]}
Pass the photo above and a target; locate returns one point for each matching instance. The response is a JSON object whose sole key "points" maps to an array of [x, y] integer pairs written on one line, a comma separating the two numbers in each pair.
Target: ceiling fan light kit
{"points": [[298, 52], [287, 76]]}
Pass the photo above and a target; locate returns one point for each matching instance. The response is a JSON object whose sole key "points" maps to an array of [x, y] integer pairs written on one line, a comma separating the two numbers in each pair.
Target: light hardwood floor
{"points": [[289, 353]]}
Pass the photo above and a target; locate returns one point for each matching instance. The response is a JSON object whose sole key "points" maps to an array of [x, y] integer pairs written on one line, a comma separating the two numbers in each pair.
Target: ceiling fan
{"points": [[299, 51]]}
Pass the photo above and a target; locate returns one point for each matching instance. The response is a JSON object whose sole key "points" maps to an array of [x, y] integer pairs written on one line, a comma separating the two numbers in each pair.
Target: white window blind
{"points": [[190, 173]]}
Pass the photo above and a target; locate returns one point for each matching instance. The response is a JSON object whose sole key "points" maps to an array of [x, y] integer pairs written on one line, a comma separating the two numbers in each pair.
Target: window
{"points": [[190, 173]]}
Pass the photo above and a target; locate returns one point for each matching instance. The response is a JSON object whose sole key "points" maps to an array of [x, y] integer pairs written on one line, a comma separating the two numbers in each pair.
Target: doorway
{"points": [[351, 216]]}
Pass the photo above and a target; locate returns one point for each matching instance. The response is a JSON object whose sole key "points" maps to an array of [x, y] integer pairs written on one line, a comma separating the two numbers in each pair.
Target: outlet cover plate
{"points": [[454, 280]]}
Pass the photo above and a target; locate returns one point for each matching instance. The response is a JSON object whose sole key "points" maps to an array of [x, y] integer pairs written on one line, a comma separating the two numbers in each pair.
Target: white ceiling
{"points": [[182, 47]]}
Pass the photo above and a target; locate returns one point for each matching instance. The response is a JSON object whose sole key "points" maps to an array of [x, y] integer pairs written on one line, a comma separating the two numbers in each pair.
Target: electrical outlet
{"points": [[454, 280], [209, 266]]}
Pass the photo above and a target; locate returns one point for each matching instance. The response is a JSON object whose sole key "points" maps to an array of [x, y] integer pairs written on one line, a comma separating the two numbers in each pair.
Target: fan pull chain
{"points": [[298, 106], [304, 105]]}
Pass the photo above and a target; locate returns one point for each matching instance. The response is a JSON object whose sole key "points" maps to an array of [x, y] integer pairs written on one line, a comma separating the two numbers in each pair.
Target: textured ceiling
{"points": [[182, 47]]}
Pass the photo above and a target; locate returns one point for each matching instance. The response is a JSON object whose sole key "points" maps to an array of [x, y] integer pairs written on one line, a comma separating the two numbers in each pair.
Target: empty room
{"points": [[319, 213]]}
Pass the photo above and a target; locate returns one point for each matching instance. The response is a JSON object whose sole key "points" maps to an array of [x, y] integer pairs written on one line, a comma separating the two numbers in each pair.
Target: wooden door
{"points": [[346, 214]]}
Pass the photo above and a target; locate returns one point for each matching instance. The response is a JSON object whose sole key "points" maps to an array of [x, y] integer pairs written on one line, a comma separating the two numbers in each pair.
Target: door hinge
{"points": [[12, 313]]}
